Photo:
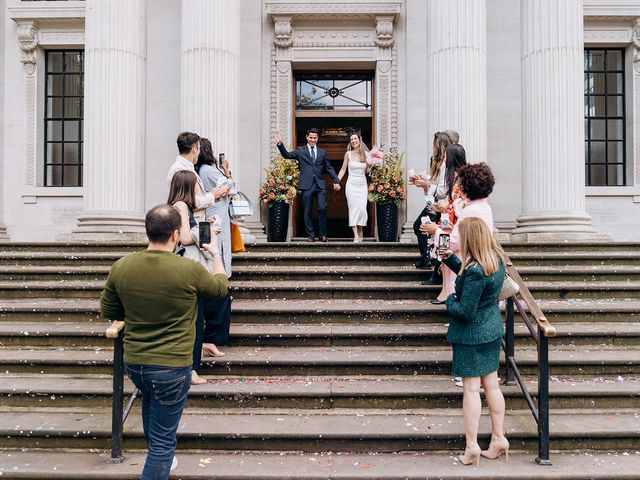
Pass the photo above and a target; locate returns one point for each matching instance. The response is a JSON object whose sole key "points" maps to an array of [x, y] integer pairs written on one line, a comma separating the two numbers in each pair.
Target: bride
{"points": [[356, 191]]}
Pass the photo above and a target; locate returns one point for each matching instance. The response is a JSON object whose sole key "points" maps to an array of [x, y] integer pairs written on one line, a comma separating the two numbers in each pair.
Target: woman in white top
{"points": [[356, 190]]}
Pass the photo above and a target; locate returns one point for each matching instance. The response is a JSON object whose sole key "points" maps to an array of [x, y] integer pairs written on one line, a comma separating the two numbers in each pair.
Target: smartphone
{"points": [[220, 159], [204, 232], [443, 243]]}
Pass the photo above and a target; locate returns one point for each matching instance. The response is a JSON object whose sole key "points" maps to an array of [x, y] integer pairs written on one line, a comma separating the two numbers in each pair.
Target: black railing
{"points": [[118, 415], [540, 329]]}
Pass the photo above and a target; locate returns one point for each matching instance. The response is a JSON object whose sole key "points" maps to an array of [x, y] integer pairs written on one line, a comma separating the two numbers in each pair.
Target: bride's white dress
{"points": [[356, 192]]}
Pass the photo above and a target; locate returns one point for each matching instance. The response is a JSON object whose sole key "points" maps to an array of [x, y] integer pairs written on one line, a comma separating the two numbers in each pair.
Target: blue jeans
{"points": [[164, 393]]}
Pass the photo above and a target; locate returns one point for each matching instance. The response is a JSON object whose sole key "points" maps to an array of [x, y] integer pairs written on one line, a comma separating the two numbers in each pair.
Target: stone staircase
{"points": [[338, 368]]}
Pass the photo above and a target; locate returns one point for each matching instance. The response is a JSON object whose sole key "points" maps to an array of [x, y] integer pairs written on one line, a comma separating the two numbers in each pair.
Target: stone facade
{"points": [[456, 64]]}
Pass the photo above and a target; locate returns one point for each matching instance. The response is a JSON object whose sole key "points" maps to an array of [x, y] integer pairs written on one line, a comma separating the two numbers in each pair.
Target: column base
{"points": [[256, 230], [107, 227], [408, 235], [556, 227], [4, 236]]}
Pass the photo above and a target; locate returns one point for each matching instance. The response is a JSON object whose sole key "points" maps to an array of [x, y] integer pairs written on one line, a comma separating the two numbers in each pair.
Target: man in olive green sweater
{"points": [[155, 293]]}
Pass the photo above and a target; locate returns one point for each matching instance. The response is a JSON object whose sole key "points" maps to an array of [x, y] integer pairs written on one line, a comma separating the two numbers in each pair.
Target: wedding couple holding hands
{"points": [[313, 162]]}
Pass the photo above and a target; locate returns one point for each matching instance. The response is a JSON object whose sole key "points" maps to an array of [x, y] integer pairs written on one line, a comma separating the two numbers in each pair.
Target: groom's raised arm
{"points": [[283, 151]]}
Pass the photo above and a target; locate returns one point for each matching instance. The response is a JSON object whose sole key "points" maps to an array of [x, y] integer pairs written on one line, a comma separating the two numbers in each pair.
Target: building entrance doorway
{"points": [[337, 104]]}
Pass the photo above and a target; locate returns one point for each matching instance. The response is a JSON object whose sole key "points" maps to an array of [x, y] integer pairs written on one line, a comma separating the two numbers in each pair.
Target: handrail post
{"points": [[543, 400], [509, 342], [118, 400]]}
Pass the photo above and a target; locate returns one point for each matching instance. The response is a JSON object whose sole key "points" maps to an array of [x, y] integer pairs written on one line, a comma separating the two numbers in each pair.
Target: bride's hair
{"points": [[362, 149]]}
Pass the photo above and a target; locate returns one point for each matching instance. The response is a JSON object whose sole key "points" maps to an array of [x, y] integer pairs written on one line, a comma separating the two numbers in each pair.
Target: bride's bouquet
{"points": [[387, 180], [375, 157]]}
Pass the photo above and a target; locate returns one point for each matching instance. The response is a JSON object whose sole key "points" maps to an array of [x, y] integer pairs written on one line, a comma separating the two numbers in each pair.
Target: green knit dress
{"points": [[475, 325]]}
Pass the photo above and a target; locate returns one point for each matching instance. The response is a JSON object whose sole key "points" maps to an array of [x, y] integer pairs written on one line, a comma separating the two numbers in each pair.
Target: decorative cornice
{"points": [[28, 40], [610, 12], [72, 11], [328, 10], [635, 38]]}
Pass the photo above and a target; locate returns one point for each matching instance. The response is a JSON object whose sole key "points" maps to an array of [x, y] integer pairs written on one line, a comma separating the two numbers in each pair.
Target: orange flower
{"points": [[392, 194], [282, 187], [380, 188], [262, 191], [371, 188], [395, 178], [272, 182], [272, 195], [400, 189], [387, 185], [265, 201]]}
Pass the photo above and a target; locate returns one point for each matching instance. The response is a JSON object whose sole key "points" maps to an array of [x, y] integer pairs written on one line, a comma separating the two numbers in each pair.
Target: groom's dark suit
{"points": [[312, 183]]}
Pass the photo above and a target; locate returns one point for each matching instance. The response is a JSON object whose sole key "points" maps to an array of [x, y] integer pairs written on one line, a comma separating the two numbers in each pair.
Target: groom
{"points": [[313, 163]]}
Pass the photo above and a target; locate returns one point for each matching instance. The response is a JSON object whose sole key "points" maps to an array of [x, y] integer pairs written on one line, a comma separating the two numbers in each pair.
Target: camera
{"points": [[443, 244], [220, 158], [204, 233]]}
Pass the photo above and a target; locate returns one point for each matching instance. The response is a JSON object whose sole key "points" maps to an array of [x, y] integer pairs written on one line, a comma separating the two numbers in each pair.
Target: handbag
{"points": [[509, 287], [240, 206], [237, 243]]}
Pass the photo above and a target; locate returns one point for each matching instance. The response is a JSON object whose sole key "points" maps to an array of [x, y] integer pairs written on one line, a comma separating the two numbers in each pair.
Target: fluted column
{"points": [[209, 80], [553, 123], [457, 73], [114, 125]]}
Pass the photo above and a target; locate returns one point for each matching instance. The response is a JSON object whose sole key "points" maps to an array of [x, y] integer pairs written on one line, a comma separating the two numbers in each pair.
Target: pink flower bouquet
{"points": [[375, 157]]}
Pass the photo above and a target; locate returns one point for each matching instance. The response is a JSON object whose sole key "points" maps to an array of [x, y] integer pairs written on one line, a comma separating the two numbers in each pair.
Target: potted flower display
{"points": [[277, 193], [386, 190]]}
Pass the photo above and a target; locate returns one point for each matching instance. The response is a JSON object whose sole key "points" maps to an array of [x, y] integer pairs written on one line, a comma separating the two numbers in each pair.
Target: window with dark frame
{"points": [[604, 117], [63, 118], [334, 92]]}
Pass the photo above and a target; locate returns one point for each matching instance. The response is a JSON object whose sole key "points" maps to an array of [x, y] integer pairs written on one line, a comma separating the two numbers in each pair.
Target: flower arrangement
{"points": [[281, 182], [375, 157], [387, 180]]}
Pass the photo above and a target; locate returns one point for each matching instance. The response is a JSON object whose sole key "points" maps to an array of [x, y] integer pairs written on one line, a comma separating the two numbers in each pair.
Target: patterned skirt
{"points": [[476, 360]]}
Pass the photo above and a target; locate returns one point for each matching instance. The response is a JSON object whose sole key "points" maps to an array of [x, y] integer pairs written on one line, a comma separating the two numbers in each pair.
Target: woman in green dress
{"points": [[476, 330]]}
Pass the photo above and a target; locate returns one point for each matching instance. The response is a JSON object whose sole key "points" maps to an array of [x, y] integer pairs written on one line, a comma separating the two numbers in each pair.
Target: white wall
{"points": [[163, 95], [504, 121]]}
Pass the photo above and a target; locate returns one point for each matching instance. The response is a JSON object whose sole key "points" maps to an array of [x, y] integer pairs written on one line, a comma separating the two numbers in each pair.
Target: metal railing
{"points": [[540, 329], [118, 414]]}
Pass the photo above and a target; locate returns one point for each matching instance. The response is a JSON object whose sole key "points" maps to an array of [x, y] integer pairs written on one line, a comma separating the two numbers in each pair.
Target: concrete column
{"points": [[553, 123], [210, 79], [114, 125], [457, 73]]}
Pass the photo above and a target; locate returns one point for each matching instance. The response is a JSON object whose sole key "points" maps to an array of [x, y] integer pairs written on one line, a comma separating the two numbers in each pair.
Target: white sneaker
{"points": [[174, 464]]}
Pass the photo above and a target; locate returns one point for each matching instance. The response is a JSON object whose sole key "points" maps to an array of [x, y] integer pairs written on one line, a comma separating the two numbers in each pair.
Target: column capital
{"points": [[28, 39], [384, 31], [635, 38], [283, 31]]}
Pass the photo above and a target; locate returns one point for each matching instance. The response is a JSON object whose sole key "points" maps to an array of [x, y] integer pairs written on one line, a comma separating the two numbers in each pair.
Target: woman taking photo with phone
{"points": [[475, 331], [182, 195]]}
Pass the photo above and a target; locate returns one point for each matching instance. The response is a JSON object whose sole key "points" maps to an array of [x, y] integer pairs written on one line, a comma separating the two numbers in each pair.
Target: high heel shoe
{"points": [[211, 352], [497, 448], [470, 454]]}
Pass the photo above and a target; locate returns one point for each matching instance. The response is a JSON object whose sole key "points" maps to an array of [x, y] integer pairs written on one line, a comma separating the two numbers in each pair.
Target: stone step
{"points": [[280, 361], [56, 465], [556, 274], [325, 311], [311, 392], [320, 431], [61, 259], [89, 335]]}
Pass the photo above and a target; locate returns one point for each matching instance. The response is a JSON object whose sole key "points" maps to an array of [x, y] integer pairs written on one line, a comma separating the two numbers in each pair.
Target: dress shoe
{"points": [[423, 265], [323, 239], [311, 239], [435, 301], [471, 454], [497, 448]]}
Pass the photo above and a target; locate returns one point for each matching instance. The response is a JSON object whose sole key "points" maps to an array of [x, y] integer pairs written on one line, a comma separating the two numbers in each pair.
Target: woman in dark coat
{"points": [[476, 330]]}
